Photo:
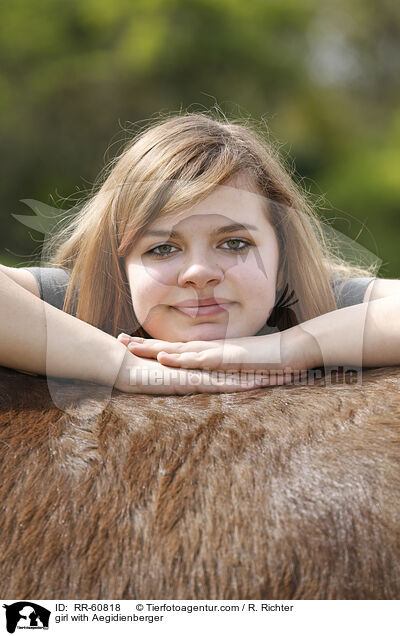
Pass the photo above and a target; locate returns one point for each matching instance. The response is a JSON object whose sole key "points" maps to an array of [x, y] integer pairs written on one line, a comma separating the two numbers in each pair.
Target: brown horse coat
{"points": [[288, 492]]}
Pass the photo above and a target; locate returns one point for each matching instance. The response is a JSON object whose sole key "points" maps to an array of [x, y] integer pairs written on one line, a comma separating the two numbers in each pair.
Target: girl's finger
{"points": [[182, 360], [153, 347], [141, 350], [174, 347], [124, 338], [208, 360], [149, 350]]}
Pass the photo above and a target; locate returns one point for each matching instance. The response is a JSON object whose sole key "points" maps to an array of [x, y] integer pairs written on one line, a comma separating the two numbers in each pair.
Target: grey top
{"points": [[52, 282], [351, 292]]}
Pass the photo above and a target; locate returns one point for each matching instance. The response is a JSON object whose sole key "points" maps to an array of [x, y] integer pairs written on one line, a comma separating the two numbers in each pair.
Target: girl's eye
{"points": [[160, 251], [164, 250], [236, 247]]}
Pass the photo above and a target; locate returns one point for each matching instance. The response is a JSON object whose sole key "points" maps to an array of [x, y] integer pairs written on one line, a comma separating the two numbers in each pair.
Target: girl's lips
{"points": [[207, 310]]}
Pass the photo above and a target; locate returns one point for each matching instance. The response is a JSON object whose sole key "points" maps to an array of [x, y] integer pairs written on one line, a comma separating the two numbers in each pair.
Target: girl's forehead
{"points": [[223, 203], [208, 222], [224, 198]]}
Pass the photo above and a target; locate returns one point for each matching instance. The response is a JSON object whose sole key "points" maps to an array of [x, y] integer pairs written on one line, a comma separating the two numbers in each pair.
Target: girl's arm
{"points": [[366, 335], [39, 338]]}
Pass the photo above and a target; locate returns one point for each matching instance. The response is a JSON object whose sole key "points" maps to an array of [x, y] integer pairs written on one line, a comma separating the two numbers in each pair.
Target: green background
{"points": [[322, 76]]}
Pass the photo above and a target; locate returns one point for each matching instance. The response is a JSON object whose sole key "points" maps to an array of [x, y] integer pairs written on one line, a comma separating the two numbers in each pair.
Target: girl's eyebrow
{"points": [[232, 227]]}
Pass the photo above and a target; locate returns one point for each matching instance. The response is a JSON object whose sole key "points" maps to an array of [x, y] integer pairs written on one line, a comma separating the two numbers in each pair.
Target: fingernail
{"points": [[123, 337]]}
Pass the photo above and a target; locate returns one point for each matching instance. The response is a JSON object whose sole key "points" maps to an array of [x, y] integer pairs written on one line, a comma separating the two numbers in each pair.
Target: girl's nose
{"points": [[200, 272]]}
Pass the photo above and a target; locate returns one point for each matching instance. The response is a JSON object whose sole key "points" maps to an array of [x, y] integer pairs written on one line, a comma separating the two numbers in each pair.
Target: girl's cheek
{"points": [[165, 275], [249, 278], [149, 299]]}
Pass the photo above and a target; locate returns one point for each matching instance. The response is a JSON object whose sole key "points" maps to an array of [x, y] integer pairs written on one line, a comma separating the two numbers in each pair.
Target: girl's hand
{"points": [[275, 353], [140, 375]]}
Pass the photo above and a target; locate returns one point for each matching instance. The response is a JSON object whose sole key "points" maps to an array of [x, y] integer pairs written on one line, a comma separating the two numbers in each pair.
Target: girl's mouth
{"points": [[207, 310]]}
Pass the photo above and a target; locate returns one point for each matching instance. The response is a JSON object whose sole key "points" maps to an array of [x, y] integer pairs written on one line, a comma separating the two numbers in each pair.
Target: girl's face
{"points": [[208, 274]]}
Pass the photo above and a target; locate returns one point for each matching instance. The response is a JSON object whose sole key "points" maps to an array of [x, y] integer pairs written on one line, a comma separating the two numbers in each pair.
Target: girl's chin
{"points": [[199, 332]]}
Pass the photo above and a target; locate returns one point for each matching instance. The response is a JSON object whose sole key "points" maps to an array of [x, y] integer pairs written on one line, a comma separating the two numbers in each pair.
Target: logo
{"points": [[26, 615]]}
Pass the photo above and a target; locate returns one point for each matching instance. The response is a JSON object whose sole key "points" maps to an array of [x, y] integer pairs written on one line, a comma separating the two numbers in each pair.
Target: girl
{"points": [[202, 254]]}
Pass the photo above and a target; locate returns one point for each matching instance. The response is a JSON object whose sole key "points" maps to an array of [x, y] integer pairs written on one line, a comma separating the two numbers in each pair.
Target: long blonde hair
{"points": [[175, 162]]}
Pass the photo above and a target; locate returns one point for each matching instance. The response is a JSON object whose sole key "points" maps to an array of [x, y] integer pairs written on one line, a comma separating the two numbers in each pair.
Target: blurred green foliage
{"points": [[323, 76]]}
